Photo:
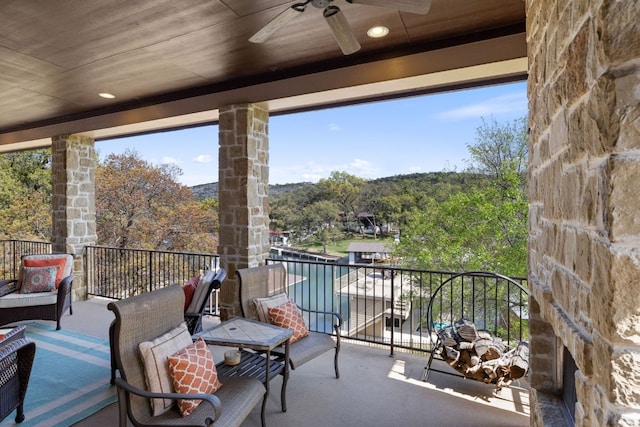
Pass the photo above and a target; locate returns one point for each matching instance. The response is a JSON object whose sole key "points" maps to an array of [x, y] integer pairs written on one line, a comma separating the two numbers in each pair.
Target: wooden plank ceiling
{"points": [[154, 55]]}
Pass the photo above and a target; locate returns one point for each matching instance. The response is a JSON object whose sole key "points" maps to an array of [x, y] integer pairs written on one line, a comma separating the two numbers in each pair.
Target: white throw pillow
{"points": [[264, 304], [156, 365]]}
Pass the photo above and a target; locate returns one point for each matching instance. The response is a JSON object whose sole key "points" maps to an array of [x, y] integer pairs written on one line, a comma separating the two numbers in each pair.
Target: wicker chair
{"points": [[15, 307], [16, 360], [270, 280], [193, 313], [143, 318]]}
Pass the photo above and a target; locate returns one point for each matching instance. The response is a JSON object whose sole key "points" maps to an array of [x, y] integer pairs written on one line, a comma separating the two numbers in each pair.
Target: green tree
{"points": [[25, 195], [500, 148], [343, 189], [484, 227]]}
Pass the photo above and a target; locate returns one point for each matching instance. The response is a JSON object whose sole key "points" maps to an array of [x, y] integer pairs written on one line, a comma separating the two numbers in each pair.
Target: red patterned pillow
{"points": [[189, 289], [193, 371], [288, 316], [39, 279]]}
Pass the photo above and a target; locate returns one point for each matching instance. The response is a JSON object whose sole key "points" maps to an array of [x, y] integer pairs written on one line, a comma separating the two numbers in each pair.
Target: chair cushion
{"points": [[189, 289], [263, 305], [29, 300], [288, 316], [193, 371], [156, 366], [201, 293], [39, 279], [67, 269], [59, 262]]}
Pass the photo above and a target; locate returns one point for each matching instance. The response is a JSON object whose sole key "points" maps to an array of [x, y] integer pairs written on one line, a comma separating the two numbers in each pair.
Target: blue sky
{"points": [[427, 133]]}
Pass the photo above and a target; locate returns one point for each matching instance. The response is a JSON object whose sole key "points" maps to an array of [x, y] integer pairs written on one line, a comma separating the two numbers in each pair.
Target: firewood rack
{"points": [[496, 304]]}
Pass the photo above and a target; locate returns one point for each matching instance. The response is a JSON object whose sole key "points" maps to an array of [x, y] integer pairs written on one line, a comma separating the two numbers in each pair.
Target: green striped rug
{"points": [[69, 380]]}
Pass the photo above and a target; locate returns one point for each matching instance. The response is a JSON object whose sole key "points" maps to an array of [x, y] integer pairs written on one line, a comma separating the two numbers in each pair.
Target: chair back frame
{"points": [[142, 318]]}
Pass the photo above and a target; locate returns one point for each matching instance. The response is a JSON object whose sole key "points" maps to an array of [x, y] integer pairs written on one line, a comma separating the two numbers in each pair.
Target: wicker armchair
{"points": [[51, 305], [16, 360], [143, 318], [270, 280], [193, 313]]}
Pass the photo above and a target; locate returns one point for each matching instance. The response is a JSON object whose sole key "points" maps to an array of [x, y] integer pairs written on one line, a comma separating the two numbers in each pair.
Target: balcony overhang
{"points": [[483, 62]]}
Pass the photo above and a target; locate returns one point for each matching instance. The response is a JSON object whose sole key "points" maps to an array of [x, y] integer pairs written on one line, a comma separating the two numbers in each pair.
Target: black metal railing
{"points": [[120, 273], [388, 306], [13, 250], [379, 304]]}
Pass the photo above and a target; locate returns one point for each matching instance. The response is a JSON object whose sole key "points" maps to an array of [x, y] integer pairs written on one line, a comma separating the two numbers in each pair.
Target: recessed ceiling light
{"points": [[377, 31], [106, 95]]}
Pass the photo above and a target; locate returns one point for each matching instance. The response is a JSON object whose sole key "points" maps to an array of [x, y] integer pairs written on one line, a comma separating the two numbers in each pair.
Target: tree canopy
{"points": [[139, 205], [481, 228], [25, 195]]}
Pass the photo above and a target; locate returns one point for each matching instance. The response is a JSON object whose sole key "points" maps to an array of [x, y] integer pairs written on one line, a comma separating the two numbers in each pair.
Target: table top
{"points": [[246, 333]]}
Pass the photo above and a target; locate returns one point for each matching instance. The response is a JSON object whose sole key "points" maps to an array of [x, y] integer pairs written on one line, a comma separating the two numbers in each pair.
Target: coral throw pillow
{"points": [[50, 262], [189, 289], [39, 279], [288, 316], [193, 371]]}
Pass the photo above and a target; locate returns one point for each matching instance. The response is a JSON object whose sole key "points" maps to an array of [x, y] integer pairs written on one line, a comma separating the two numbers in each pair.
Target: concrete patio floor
{"points": [[374, 389]]}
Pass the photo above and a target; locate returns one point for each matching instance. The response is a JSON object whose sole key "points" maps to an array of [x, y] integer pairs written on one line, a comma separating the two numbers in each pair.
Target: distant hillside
{"points": [[205, 191], [210, 191]]}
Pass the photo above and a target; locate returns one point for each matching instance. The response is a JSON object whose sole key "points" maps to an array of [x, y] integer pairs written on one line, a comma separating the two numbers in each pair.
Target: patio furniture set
{"points": [[149, 330], [160, 348]]}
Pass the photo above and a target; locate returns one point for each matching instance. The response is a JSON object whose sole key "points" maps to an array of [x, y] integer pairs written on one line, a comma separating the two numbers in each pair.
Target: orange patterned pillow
{"points": [[288, 316], [193, 371]]}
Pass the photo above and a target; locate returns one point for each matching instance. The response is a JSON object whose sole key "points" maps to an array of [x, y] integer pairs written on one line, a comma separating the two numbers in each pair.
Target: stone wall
{"points": [[73, 202], [243, 188], [584, 176]]}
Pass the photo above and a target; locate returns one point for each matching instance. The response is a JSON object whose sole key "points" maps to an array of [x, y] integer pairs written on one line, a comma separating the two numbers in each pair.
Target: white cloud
{"points": [[203, 158], [333, 127], [362, 168], [313, 172], [509, 103], [170, 160], [415, 169]]}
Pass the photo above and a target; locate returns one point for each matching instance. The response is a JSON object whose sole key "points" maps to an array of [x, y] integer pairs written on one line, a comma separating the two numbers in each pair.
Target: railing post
{"points": [[393, 312]]}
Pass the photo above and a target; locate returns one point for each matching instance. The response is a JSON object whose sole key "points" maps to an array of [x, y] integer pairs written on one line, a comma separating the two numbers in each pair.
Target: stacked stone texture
{"points": [[584, 177], [243, 194], [73, 203]]}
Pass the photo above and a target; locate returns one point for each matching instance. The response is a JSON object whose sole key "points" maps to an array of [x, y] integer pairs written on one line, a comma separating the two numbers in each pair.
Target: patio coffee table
{"points": [[260, 337]]}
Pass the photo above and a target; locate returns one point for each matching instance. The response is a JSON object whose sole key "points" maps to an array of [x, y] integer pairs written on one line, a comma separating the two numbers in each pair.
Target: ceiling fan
{"points": [[335, 19]]}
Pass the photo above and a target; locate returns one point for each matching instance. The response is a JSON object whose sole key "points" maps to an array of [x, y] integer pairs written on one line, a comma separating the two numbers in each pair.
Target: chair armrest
{"points": [[65, 284], [336, 315], [6, 285], [210, 398], [20, 366], [8, 348]]}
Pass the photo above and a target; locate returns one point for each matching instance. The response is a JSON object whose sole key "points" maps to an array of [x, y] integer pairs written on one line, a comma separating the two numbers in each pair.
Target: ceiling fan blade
{"points": [[278, 22], [341, 30], [420, 7]]}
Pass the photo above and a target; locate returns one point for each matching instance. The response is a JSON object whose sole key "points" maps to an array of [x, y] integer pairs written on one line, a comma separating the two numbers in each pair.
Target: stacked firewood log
{"points": [[478, 355]]}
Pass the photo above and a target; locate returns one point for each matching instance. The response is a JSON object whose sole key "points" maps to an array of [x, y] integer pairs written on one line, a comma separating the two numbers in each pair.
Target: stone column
{"points": [[73, 202], [243, 191], [584, 190]]}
